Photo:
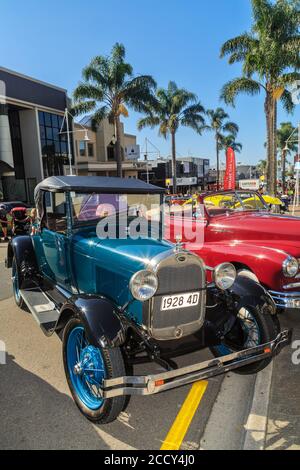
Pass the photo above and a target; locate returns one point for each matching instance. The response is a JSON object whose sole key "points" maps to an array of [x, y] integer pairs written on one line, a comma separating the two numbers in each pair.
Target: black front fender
{"points": [[100, 317], [249, 293], [21, 248]]}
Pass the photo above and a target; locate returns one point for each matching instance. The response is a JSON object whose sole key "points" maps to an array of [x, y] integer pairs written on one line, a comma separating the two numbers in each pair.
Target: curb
{"points": [[256, 426]]}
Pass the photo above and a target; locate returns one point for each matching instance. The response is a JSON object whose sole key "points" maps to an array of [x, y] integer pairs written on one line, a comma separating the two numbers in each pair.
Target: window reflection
{"points": [[54, 144]]}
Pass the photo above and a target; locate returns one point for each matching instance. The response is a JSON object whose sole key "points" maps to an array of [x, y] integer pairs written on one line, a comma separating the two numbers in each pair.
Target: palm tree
{"points": [[284, 132], [262, 167], [270, 57], [174, 107], [219, 125], [229, 141], [108, 87]]}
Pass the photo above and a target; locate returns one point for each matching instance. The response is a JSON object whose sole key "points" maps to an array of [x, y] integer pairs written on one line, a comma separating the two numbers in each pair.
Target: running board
{"points": [[42, 309]]}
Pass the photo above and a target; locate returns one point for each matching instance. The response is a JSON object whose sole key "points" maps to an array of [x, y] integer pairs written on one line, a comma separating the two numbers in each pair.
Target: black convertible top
{"points": [[101, 184]]}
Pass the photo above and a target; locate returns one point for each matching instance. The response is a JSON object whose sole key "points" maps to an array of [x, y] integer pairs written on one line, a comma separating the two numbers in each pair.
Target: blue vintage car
{"points": [[99, 273]]}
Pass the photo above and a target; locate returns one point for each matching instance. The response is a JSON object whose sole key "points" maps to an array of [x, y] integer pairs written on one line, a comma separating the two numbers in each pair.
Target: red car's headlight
{"points": [[290, 266]]}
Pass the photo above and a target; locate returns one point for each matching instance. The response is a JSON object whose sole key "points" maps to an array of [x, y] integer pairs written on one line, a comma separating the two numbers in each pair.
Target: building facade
{"points": [[192, 173], [95, 155], [31, 146]]}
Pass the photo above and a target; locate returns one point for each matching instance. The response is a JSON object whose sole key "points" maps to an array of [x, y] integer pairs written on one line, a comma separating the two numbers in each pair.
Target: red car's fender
{"points": [[264, 262]]}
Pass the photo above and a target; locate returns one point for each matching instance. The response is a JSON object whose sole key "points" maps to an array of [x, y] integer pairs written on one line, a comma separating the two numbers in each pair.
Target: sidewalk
{"points": [[297, 211], [283, 428]]}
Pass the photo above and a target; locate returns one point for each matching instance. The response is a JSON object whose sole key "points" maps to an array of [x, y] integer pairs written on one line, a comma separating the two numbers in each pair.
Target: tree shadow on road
{"points": [[34, 415]]}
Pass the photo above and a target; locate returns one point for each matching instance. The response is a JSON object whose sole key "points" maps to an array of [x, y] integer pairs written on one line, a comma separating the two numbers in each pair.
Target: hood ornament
{"points": [[179, 244]]}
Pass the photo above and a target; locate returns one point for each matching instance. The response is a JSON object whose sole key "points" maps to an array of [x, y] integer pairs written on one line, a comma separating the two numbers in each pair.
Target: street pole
{"points": [[296, 195], [69, 142], [146, 158]]}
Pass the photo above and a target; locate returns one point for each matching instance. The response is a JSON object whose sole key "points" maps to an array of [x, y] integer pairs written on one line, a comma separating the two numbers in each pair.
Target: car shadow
{"points": [[35, 415], [147, 420]]}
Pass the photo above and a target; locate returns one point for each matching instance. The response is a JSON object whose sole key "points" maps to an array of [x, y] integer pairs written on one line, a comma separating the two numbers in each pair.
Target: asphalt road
{"points": [[36, 409]]}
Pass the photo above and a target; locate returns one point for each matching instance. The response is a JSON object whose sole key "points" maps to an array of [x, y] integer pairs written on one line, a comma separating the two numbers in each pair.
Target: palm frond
{"points": [[118, 53], [239, 85], [83, 107], [148, 121], [289, 78], [231, 127], [87, 91], [238, 47], [287, 101], [99, 115]]}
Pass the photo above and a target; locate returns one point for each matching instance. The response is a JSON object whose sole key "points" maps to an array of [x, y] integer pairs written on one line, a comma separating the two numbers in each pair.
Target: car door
{"points": [[52, 243]]}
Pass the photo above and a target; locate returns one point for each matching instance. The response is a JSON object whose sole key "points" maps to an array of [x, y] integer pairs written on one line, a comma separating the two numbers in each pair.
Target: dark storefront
{"points": [[31, 147]]}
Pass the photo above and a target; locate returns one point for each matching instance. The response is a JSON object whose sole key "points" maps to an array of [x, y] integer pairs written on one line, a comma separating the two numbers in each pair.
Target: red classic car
{"points": [[238, 227]]}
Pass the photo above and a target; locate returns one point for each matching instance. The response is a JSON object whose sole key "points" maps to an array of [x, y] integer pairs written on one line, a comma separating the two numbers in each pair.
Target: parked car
{"points": [[239, 228], [119, 299], [9, 205], [20, 221], [278, 205]]}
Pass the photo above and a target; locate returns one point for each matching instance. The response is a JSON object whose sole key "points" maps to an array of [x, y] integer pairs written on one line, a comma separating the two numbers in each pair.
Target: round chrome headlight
{"points": [[224, 275], [290, 266], [143, 285]]}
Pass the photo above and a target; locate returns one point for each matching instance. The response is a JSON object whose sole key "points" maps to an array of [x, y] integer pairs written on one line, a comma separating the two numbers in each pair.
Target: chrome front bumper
{"points": [[286, 300], [152, 384]]}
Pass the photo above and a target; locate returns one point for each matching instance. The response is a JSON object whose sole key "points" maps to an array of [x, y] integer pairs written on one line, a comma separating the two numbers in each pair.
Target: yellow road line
{"points": [[185, 416]]}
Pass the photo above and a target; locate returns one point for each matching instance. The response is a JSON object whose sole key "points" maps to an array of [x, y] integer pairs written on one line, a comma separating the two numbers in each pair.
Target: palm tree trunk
{"points": [[174, 166], [218, 162], [269, 111], [275, 142], [283, 165], [118, 152]]}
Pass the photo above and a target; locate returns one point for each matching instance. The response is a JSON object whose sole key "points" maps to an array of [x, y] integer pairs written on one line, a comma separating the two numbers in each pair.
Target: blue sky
{"points": [[170, 39]]}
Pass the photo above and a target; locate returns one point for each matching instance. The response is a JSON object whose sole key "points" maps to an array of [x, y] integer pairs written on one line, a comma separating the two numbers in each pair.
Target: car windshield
{"points": [[218, 204], [91, 208]]}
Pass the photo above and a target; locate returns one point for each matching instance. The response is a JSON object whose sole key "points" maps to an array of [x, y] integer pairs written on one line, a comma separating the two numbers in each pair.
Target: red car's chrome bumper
{"points": [[151, 384], [286, 300]]}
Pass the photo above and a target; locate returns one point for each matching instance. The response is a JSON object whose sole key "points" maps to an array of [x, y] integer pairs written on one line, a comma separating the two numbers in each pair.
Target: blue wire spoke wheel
{"points": [[15, 277], [15, 282], [86, 369]]}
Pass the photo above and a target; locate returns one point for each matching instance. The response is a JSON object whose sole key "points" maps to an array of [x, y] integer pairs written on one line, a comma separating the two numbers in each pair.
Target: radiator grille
{"points": [[180, 273]]}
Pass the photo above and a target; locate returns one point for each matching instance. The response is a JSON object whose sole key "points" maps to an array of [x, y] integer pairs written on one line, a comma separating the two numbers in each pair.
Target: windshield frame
{"points": [[76, 225], [237, 194]]}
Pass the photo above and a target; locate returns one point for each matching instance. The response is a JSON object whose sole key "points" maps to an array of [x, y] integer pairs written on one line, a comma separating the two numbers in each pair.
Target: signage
{"points": [[132, 152], [230, 173], [184, 181], [249, 184]]}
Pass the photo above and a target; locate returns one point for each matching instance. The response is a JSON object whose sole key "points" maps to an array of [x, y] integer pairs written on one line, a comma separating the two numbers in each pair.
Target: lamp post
{"points": [[292, 138], [147, 141], [68, 132]]}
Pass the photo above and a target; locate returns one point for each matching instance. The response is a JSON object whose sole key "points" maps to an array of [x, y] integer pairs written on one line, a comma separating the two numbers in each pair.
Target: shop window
{"points": [[54, 145], [82, 148], [111, 152], [90, 150]]}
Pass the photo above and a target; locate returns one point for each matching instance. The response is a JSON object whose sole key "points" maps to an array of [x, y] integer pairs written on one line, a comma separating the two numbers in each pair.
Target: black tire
{"points": [[268, 329], [16, 285], [115, 367]]}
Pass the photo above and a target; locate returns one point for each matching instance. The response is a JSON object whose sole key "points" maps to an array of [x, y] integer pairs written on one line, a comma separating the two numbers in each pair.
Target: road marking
{"points": [[185, 416]]}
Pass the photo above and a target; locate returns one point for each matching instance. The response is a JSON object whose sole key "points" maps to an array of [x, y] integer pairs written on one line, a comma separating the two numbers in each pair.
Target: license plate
{"points": [[172, 302]]}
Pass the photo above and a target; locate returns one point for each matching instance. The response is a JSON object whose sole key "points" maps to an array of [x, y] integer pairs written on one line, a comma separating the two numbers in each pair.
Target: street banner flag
{"points": [[230, 174]]}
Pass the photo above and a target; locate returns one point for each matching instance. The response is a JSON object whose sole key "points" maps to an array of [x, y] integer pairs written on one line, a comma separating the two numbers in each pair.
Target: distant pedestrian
{"points": [[34, 221], [3, 222]]}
